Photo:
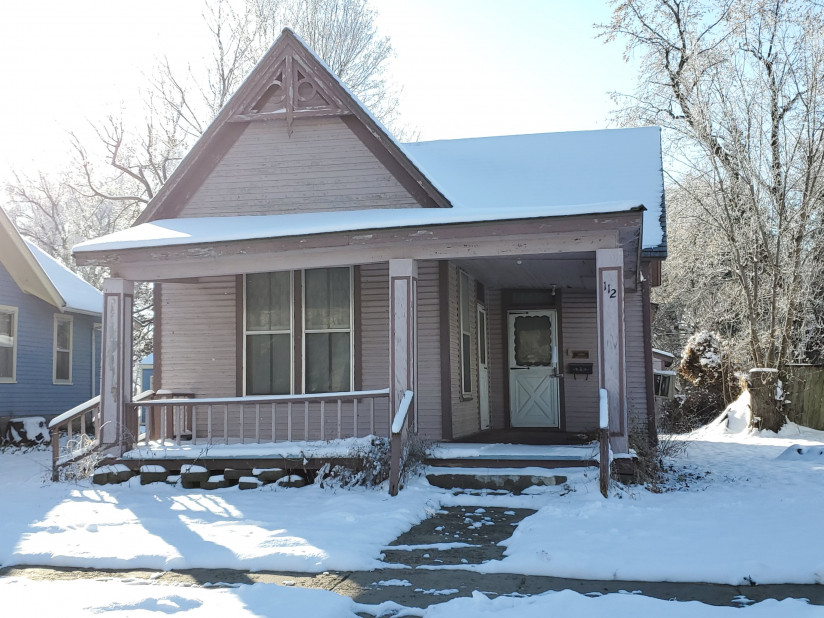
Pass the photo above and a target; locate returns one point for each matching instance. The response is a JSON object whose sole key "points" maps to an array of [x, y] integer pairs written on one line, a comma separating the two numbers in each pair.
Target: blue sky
{"points": [[468, 67]]}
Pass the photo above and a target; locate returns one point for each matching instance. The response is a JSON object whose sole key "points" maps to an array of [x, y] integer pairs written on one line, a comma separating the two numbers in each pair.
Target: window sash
{"points": [[268, 333]]}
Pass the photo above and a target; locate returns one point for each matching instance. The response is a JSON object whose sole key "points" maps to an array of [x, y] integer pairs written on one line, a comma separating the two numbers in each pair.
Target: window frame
{"points": [[465, 333], [350, 330], [60, 318], [13, 311], [290, 332]]}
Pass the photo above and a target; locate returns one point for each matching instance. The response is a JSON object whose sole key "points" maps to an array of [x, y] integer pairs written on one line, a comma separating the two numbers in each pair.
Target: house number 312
{"points": [[610, 291]]}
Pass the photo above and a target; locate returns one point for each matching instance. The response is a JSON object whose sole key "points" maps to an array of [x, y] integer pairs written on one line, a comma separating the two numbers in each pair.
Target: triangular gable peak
{"points": [[290, 88]]}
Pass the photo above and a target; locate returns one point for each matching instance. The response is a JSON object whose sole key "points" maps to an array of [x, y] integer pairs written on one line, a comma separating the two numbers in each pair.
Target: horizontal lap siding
{"points": [[374, 326], [498, 370], [322, 166], [428, 389], [636, 368], [580, 332], [465, 414], [198, 331]]}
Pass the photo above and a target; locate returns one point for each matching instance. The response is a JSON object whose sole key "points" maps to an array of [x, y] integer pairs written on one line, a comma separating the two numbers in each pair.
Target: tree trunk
{"points": [[766, 409]]}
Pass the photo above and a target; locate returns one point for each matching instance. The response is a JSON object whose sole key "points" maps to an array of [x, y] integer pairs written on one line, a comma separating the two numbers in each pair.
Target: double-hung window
{"points": [[62, 358], [269, 333], [8, 344], [327, 326], [321, 313]]}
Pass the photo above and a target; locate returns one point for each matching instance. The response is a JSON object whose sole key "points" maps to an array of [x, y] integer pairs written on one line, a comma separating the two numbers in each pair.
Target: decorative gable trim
{"points": [[288, 83]]}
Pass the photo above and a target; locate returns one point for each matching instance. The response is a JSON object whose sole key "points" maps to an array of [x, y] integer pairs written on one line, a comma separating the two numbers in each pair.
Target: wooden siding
{"points": [[34, 393], [636, 380], [465, 414], [498, 362], [428, 388], [580, 332], [323, 166], [199, 349]]}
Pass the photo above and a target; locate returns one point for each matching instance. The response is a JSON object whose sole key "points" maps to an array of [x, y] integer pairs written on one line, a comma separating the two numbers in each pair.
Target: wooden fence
{"points": [[804, 390]]}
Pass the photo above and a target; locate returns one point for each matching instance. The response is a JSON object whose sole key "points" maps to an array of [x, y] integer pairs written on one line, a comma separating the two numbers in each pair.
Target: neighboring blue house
{"points": [[49, 331], [145, 369]]}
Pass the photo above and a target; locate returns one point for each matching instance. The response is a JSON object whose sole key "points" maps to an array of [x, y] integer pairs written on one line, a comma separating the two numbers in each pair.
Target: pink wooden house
{"points": [[314, 279]]}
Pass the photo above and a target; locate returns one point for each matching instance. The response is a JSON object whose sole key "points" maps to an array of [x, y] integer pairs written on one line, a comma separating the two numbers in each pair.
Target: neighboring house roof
{"points": [[194, 230], [147, 360], [551, 169], [40, 275]]}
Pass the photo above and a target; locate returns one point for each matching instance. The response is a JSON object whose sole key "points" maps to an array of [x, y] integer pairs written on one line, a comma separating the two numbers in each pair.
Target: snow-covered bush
{"points": [[709, 383]]}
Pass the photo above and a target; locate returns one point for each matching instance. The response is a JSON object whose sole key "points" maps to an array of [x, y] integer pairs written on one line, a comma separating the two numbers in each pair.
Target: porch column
{"points": [[117, 431], [403, 283], [609, 264]]}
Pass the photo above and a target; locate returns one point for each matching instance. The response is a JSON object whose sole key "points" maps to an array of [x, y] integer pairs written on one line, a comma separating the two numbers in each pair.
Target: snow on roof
{"points": [[193, 230], [78, 294], [551, 169]]}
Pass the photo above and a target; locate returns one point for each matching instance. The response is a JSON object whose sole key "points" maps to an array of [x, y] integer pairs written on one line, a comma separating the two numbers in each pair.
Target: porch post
{"points": [[117, 431], [609, 264], [403, 282]]}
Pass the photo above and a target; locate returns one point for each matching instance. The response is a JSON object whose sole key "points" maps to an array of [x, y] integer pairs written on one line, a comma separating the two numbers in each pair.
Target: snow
{"points": [[296, 449], [550, 169], [739, 506], [194, 230], [511, 451], [78, 294]]}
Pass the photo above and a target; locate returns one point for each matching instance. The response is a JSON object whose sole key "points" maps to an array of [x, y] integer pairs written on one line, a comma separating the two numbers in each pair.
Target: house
{"points": [[50, 322], [315, 279]]}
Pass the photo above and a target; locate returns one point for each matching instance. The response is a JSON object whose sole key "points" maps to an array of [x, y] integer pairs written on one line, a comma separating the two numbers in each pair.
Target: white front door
{"points": [[483, 369], [533, 368]]}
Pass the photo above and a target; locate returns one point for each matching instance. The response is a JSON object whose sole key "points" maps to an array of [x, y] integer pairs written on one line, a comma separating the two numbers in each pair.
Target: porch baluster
{"points": [[194, 424], [274, 421], [289, 421], [355, 418], [226, 423], [257, 423], [209, 423], [372, 417], [306, 420], [323, 420], [163, 415], [339, 427], [242, 432]]}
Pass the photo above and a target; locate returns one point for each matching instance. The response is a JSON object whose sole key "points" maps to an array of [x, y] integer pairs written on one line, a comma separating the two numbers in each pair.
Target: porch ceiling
{"points": [[568, 270]]}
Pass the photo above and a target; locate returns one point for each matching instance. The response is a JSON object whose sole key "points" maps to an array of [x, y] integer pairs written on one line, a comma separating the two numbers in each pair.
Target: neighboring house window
{"points": [[662, 385], [466, 312], [63, 349], [269, 333], [325, 313], [8, 344]]}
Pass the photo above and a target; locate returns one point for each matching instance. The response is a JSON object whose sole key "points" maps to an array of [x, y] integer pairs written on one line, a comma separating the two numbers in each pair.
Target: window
{"points": [[62, 362], [325, 313], [328, 330], [8, 344], [268, 318], [466, 311], [662, 384]]}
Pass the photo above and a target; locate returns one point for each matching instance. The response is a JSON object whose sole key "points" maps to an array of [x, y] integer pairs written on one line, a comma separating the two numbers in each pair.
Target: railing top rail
{"points": [[300, 398], [76, 411], [403, 409]]}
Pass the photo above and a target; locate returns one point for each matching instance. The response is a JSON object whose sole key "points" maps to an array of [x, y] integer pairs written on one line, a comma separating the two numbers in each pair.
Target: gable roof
{"points": [[547, 170], [37, 273], [289, 82]]}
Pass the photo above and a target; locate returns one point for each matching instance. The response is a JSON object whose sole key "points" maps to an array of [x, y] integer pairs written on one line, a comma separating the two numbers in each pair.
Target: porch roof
{"points": [[199, 230]]}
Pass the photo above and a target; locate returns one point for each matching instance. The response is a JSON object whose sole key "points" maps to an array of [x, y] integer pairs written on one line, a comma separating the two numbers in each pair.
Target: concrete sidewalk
{"points": [[431, 564]]}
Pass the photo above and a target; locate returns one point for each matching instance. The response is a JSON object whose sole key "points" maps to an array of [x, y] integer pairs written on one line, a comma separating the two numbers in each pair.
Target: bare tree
{"points": [[737, 84]]}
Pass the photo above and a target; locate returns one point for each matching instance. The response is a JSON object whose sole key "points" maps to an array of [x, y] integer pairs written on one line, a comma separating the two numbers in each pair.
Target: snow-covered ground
{"points": [[738, 508]]}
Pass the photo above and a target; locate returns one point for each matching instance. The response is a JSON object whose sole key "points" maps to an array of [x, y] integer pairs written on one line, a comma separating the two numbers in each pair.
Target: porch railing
{"points": [[79, 441], [398, 442], [261, 419]]}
